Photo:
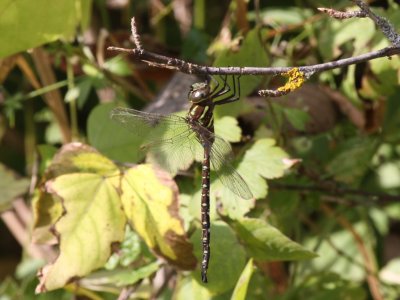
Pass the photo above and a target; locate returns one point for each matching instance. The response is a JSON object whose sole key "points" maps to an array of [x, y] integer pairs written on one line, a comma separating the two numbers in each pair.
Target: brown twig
{"points": [[135, 35], [157, 60], [384, 25], [126, 293], [341, 15], [53, 99], [19, 221]]}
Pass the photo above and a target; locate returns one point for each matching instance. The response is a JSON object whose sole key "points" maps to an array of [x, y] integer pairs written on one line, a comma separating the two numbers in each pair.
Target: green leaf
{"points": [[195, 46], [230, 204], [283, 17], [262, 160], [389, 175], [224, 270], [339, 32], [9, 289], [264, 242], [10, 187], [129, 277], [391, 122], [118, 66], [240, 291], [128, 252], [84, 87], [112, 140], [298, 118], [46, 153], [26, 24], [383, 80], [150, 202], [390, 272], [329, 258], [251, 53], [352, 160], [189, 288], [266, 159], [228, 128], [92, 222]]}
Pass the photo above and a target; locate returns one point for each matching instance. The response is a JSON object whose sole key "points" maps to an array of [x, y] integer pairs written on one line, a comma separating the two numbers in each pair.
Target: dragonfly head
{"points": [[199, 92]]}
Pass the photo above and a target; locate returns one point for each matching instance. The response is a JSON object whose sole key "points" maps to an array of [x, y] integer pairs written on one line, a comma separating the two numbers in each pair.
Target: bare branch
{"points": [[385, 26], [161, 61], [341, 15], [135, 35]]}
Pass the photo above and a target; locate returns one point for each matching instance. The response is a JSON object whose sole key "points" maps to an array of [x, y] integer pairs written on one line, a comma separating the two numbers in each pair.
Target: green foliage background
{"points": [[323, 163]]}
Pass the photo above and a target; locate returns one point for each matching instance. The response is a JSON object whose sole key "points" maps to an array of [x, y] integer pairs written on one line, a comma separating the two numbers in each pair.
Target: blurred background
{"points": [[341, 200]]}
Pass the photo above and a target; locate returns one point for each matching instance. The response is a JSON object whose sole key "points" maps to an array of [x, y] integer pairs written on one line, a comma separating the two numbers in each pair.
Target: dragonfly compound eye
{"points": [[199, 92]]}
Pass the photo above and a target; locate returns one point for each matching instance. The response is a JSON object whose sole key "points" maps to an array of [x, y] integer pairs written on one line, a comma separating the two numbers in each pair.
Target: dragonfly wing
{"points": [[142, 123], [169, 139], [221, 158]]}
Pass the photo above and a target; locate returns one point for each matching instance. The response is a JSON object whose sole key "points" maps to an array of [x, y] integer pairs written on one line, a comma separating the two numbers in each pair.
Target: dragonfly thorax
{"points": [[199, 92]]}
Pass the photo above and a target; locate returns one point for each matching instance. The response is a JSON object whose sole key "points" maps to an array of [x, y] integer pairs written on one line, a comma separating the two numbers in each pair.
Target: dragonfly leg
{"points": [[216, 83], [235, 93], [221, 91]]}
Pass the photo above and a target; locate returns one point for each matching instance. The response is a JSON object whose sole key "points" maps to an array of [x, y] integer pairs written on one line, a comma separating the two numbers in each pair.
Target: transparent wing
{"points": [[170, 141], [174, 144], [221, 158]]}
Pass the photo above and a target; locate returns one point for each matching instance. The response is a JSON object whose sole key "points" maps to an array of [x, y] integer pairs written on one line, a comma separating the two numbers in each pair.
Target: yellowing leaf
{"points": [[46, 211], [150, 202], [71, 158], [78, 157], [92, 221]]}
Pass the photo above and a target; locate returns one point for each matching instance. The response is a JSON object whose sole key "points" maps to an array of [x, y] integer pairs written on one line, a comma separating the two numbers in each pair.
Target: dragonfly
{"points": [[173, 141]]}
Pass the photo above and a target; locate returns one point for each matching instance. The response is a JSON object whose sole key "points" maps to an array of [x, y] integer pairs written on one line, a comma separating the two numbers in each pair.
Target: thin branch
{"points": [[135, 36], [161, 61], [384, 25], [341, 15], [158, 60], [126, 293]]}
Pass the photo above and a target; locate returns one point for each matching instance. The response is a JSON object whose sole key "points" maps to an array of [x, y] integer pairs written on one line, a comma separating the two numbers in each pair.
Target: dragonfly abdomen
{"points": [[205, 212]]}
